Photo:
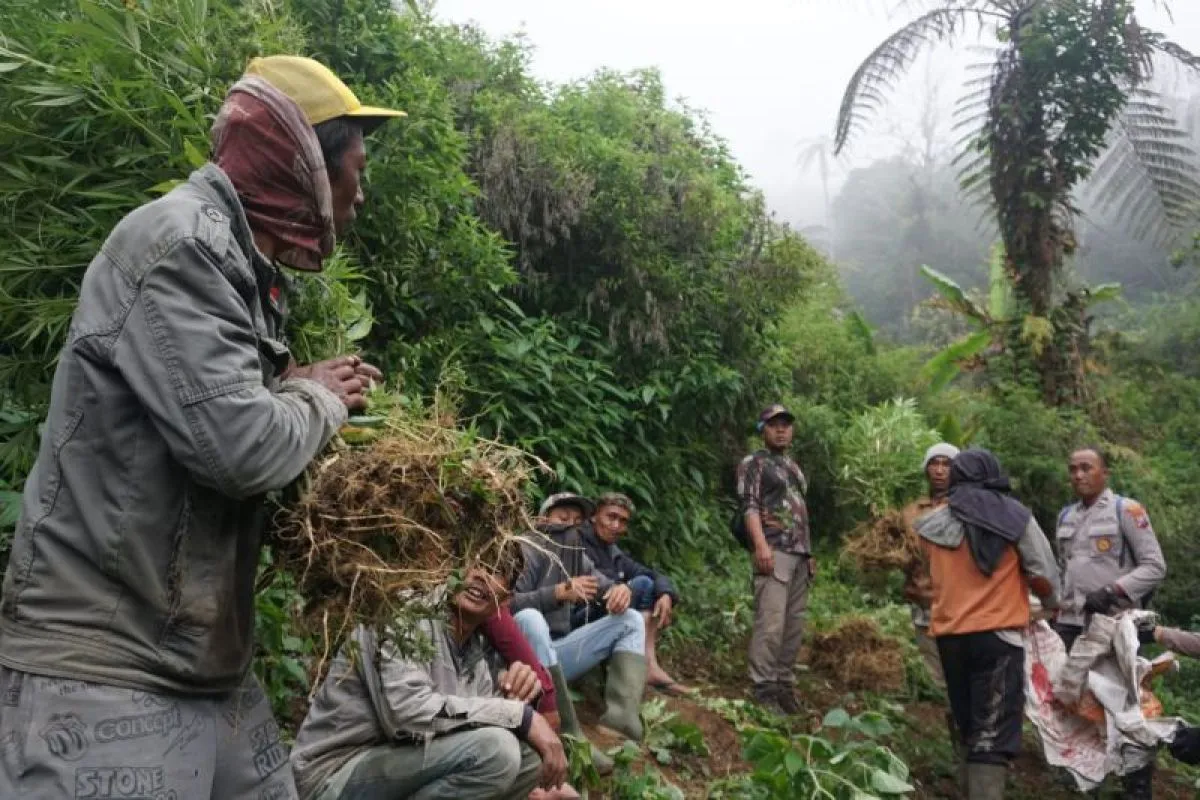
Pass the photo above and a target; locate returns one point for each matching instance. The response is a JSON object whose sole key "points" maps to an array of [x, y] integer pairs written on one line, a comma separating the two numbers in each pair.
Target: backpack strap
{"points": [[1125, 548]]}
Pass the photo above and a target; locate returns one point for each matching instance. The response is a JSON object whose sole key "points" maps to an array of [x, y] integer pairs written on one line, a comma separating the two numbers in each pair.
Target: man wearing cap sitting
{"points": [[557, 575], [127, 624], [771, 489]]}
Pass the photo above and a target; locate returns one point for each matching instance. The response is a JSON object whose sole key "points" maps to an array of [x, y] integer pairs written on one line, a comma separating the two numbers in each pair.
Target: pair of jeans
{"points": [[480, 764], [586, 647], [642, 589]]}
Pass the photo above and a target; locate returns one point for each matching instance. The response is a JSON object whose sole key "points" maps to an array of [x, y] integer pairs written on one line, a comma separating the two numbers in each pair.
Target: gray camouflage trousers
{"points": [[71, 739], [780, 601]]}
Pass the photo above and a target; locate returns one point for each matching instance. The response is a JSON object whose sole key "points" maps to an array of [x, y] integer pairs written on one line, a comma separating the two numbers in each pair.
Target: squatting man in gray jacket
{"points": [[127, 623], [388, 725]]}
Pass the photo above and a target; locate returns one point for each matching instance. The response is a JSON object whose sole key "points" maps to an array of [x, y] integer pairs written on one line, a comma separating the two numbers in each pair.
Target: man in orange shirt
{"points": [[986, 552]]}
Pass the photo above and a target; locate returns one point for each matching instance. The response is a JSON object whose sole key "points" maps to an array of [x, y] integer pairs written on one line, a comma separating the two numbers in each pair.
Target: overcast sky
{"points": [[769, 73]]}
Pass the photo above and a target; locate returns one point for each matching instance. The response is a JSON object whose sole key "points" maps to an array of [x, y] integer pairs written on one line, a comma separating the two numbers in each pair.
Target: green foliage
{"points": [[945, 366], [665, 733], [1066, 84], [649, 784], [581, 770], [719, 612], [282, 656], [328, 312], [881, 455], [849, 761], [93, 130]]}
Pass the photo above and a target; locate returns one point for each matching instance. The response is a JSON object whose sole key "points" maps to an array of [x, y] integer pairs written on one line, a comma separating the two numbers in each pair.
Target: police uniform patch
{"points": [[1104, 544], [1137, 513]]}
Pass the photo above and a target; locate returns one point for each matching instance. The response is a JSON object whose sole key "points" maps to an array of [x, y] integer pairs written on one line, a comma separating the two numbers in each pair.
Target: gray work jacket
{"points": [[374, 696], [1098, 547], [554, 555], [134, 559]]}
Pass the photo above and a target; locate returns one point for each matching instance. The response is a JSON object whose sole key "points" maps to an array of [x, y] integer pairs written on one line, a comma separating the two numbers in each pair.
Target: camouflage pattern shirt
{"points": [[772, 485]]}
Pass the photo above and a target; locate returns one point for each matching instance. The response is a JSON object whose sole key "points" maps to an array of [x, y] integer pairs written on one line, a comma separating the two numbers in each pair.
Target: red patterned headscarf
{"points": [[263, 142]]}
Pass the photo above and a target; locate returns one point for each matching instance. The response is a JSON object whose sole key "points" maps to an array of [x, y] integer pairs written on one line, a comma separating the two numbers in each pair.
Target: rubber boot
{"points": [[623, 689], [1139, 785], [569, 723], [986, 781]]}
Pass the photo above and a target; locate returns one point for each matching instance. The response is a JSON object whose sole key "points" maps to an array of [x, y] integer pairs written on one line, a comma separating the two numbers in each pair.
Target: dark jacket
{"points": [[134, 559], [556, 556], [620, 567]]}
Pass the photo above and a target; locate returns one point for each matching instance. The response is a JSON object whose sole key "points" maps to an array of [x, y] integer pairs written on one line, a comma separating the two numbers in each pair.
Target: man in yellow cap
{"points": [[126, 627]]}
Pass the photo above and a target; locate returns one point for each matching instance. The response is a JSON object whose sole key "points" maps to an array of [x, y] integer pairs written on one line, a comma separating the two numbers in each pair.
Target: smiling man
{"points": [[391, 725], [771, 489]]}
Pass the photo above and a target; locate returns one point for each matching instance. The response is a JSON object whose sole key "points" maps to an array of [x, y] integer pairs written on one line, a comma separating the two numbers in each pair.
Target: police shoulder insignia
{"points": [[1137, 513]]}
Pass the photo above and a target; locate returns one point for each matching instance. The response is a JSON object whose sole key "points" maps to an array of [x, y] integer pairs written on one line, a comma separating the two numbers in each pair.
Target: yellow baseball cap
{"points": [[319, 93]]}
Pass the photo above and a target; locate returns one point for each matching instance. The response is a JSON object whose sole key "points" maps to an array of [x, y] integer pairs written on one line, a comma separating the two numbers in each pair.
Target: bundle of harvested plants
{"points": [[883, 544], [410, 504]]}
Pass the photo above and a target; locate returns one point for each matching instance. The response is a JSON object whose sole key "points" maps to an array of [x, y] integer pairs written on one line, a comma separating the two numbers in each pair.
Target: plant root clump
{"points": [[859, 656], [373, 527], [884, 544]]}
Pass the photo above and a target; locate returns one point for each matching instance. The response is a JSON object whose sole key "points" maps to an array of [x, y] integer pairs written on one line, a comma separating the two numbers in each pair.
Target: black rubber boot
{"points": [[766, 696], [1139, 785]]}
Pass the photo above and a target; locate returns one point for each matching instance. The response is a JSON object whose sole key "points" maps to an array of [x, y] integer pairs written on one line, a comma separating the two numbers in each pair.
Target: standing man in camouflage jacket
{"points": [[127, 624], [1109, 559], [771, 489]]}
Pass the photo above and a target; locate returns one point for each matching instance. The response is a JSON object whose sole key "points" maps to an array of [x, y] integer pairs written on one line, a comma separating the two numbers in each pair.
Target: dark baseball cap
{"points": [[771, 412]]}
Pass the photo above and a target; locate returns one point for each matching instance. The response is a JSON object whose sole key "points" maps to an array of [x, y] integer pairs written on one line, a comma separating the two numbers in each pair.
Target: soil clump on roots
{"points": [[883, 544], [859, 656], [375, 526]]}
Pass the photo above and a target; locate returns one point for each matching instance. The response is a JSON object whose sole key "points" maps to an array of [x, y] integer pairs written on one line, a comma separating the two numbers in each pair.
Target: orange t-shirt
{"points": [[967, 601]]}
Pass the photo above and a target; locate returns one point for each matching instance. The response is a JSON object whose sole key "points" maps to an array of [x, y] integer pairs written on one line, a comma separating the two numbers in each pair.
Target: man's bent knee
{"points": [[497, 756], [536, 630], [633, 632], [642, 588]]}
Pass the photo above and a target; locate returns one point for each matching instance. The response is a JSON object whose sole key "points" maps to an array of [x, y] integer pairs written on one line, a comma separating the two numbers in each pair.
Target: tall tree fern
{"points": [[1065, 99]]}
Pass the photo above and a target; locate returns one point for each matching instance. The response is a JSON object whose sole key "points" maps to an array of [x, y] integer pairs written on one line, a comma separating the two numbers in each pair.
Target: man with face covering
{"points": [[126, 630], [985, 553]]}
